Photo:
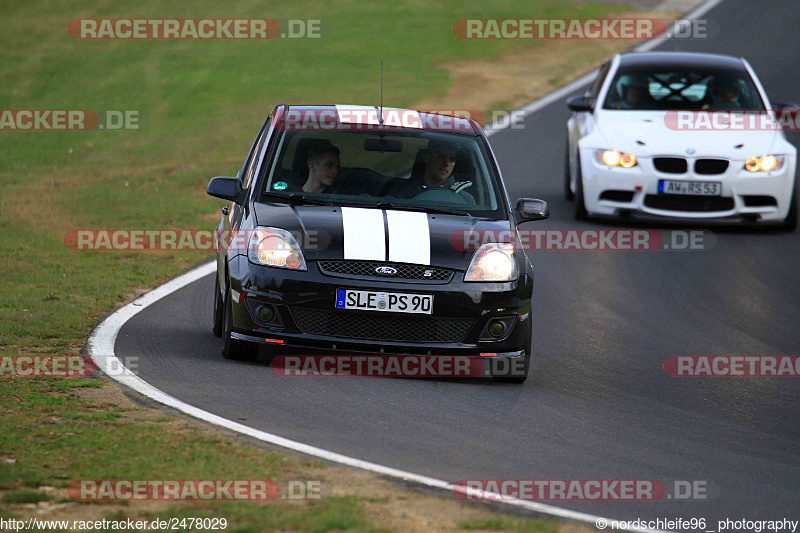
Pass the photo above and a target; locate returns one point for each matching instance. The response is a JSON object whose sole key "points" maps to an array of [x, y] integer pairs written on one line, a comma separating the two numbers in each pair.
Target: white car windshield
{"points": [[655, 89]]}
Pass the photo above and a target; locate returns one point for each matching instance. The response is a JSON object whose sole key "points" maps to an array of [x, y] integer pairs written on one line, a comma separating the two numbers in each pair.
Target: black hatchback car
{"points": [[359, 229]]}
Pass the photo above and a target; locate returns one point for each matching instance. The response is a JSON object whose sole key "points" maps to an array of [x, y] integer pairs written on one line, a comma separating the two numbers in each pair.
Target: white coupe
{"points": [[680, 135]]}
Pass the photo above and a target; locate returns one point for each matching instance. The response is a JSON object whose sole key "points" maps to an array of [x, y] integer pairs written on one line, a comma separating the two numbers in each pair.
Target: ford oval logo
{"points": [[386, 271]]}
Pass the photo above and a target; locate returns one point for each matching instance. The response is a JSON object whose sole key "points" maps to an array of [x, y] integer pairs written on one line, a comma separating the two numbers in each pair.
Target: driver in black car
{"points": [[439, 159]]}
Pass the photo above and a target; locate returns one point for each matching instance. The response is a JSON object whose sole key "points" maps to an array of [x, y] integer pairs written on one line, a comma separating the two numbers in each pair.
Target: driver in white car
{"points": [[723, 94], [439, 161]]}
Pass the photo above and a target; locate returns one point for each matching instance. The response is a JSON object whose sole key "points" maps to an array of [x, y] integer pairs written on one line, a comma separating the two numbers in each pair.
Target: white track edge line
{"points": [[100, 347]]}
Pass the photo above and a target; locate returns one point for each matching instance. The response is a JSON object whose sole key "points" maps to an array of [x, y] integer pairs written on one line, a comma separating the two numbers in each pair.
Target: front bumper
{"points": [[307, 317], [613, 191]]}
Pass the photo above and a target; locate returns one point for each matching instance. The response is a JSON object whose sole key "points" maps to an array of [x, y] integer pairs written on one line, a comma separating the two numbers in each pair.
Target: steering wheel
{"points": [[441, 195]]}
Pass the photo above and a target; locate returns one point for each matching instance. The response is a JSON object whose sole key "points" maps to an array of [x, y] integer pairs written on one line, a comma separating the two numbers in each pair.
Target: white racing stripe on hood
{"points": [[364, 234], [409, 237]]}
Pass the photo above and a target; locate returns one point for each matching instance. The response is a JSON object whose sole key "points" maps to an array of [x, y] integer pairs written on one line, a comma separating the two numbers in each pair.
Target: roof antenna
{"points": [[380, 117]]}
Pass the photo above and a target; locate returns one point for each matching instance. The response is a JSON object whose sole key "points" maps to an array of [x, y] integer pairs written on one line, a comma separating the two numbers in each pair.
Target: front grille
{"points": [[366, 269], [363, 325], [670, 165], [710, 166], [680, 202]]}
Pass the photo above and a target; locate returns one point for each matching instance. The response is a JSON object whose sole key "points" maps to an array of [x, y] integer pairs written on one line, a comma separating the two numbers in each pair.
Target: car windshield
{"points": [[442, 172], [665, 89]]}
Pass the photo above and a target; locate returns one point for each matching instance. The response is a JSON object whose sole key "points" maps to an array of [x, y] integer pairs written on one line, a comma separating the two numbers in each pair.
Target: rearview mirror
{"points": [[580, 103], [383, 145], [529, 209], [226, 188]]}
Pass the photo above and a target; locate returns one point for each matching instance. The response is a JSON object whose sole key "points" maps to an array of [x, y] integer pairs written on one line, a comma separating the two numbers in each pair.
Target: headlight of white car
{"points": [[275, 247], [613, 158], [493, 262], [764, 163]]}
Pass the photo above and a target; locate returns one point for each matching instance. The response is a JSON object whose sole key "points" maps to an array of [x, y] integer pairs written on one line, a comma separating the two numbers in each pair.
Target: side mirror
{"points": [[783, 105], [529, 209], [580, 103], [226, 188]]}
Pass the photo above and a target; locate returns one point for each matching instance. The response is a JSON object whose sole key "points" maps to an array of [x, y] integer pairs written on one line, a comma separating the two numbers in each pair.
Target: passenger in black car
{"points": [[323, 169]]}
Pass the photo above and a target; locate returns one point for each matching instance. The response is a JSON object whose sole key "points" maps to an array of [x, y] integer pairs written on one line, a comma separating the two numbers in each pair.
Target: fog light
{"points": [[265, 313], [497, 328]]}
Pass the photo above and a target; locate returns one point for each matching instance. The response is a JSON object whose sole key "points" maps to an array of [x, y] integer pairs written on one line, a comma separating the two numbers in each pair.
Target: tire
{"points": [[790, 222], [219, 310], [580, 205], [568, 194], [234, 348], [500, 370]]}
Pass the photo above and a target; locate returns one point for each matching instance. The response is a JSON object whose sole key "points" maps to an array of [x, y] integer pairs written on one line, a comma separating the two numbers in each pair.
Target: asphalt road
{"points": [[600, 405]]}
